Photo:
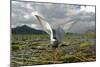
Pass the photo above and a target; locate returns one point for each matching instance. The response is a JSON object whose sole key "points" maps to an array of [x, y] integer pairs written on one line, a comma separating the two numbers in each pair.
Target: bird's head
{"points": [[54, 42]]}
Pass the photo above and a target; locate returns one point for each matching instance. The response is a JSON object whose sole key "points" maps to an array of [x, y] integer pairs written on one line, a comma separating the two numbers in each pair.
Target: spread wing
{"points": [[68, 26], [45, 25]]}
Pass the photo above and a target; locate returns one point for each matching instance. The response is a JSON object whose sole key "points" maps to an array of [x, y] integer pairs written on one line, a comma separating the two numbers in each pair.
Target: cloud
{"points": [[88, 8], [35, 26], [55, 14]]}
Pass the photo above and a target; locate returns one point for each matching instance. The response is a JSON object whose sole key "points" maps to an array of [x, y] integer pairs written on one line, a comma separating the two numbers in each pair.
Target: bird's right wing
{"points": [[68, 26], [45, 25]]}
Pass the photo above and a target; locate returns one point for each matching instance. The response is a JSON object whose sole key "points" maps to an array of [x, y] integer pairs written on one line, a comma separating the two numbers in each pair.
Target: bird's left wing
{"points": [[45, 25]]}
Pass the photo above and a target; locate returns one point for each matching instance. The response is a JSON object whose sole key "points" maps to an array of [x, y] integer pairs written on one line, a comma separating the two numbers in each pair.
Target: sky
{"points": [[55, 14]]}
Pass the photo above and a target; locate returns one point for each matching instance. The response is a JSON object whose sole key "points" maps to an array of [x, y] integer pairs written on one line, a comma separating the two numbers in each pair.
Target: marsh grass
{"points": [[34, 50]]}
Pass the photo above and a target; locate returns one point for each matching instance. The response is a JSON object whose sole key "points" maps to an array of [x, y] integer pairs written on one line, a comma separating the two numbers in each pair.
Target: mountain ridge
{"points": [[26, 30]]}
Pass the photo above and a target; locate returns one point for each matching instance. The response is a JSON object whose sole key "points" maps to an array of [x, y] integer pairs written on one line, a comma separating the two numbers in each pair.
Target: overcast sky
{"points": [[55, 14]]}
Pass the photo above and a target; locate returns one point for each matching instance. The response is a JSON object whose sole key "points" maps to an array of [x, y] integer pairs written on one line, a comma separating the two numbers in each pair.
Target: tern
{"points": [[57, 34]]}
